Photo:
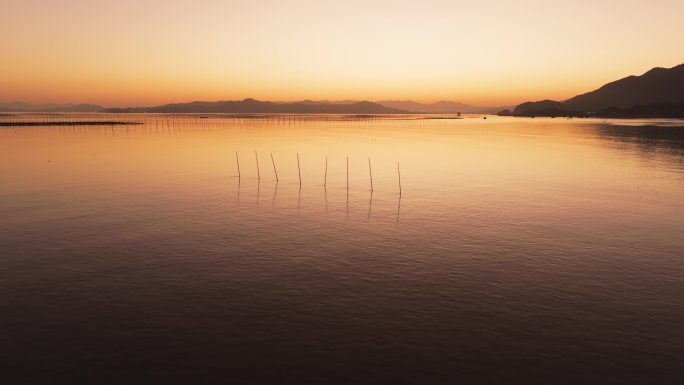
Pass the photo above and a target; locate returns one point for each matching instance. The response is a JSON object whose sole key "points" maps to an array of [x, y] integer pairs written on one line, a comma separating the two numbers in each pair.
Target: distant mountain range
{"points": [[26, 107], [315, 106], [657, 93], [441, 107], [257, 106], [264, 107]]}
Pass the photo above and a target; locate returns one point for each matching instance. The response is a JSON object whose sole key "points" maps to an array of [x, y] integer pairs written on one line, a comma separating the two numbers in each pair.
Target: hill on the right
{"points": [[659, 91]]}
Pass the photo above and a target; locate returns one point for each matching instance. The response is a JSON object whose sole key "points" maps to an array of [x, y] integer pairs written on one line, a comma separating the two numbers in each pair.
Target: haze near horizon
{"points": [[496, 53]]}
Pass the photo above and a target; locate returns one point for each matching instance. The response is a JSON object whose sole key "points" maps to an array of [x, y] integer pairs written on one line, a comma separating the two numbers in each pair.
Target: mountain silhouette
{"points": [[27, 107], [658, 92], [659, 85], [256, 106], [441, 107]]}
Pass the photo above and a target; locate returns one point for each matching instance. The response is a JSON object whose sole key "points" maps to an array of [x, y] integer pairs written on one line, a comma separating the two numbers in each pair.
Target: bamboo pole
{"points": [[347, 175], [257, 164], [237, 159], [370, 172], [274, 168], [325, 178], [399, 174], [299, 169]]}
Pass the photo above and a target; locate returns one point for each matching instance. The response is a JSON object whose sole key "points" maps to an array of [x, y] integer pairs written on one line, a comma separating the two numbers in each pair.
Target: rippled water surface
{"points": [[519, 250]]}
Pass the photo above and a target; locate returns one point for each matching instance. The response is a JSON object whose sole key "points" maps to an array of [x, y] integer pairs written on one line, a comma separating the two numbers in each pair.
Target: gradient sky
{"points": [[138, 52]]}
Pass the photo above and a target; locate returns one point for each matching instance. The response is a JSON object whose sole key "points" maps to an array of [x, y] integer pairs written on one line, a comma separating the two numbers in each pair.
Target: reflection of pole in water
{"points": [[398, 208], [370, 204], [299, 199], [347, 202], [258, 191], [275, 193]]}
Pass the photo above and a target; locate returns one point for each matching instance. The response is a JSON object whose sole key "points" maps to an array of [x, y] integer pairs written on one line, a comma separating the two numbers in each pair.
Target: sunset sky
{"points": [[144, 52]]}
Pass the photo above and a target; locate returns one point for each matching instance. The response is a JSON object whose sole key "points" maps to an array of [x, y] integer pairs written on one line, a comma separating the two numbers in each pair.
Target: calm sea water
{"points": [[519, 251]]}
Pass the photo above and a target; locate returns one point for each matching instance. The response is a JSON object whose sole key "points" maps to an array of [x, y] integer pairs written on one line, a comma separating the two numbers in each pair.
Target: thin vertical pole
{"points": [[237, 159], [370, 172], [274, 168], [257, 163], [347, 175], [299, 169], [325, 178], [399, 173]]}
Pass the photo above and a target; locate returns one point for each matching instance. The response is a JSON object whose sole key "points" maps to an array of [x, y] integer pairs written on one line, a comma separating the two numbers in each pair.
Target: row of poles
{"points": [[299, 170]]}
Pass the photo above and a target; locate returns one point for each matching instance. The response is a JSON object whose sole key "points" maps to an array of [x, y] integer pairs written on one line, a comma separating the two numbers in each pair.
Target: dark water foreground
{"points": [[520, 251]]}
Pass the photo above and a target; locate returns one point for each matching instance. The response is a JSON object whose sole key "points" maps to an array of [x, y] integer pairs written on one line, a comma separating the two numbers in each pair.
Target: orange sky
{"points": [[148, 52]]}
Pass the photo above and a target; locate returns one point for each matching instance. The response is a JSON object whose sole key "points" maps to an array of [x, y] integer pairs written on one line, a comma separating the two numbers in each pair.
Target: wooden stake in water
{"points": [[274, 168], [237, 159], [399, 173], [299, 169], [347, 175], [257, 163], [370, 172], [325, 177]]}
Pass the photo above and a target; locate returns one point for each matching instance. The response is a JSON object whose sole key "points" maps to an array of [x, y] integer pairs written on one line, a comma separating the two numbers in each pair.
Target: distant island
{"points": [[657, 93]]}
